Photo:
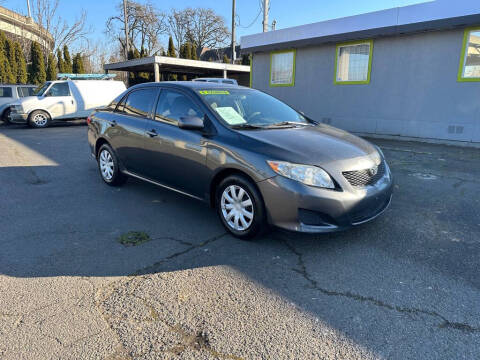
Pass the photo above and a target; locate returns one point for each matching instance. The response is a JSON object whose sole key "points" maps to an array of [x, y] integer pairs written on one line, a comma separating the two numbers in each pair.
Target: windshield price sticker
{"points": [[231, 116], [214, 92]]}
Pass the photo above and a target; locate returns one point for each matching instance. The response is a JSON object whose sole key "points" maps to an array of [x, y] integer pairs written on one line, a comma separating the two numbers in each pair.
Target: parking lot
{"points": [[405, 286]]}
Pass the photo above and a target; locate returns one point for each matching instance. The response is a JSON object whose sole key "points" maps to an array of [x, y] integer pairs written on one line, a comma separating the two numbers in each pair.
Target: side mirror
{"points": [[191, 123]]}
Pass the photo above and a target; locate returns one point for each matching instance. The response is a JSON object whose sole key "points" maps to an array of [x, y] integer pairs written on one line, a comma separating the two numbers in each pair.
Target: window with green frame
{"points": [[282, 68], [353, 62], [470, 58]]}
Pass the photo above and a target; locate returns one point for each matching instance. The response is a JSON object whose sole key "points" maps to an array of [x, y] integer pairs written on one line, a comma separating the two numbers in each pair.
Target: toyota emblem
{"points": [[373, 171]]}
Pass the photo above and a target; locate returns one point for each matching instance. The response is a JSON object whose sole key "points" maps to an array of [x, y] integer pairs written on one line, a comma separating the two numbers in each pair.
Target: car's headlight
{"points": [[309, 175], [16, 108]]}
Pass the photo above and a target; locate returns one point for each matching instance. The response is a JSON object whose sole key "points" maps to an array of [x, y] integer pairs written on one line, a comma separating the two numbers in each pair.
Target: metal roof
{"points": [[176, 65], [430, 16]]}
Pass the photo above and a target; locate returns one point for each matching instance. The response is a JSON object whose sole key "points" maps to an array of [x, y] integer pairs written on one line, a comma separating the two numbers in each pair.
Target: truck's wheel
{"points": [[6, 116], [39, 119]]}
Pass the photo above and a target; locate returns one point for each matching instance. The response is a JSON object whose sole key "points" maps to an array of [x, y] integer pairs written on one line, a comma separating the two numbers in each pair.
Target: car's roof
{"points": [[194, 85], [25, 85]]}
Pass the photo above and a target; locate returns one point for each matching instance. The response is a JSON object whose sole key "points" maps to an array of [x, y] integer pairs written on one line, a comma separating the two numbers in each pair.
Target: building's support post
{"points": [[224, 73], [156, 70]]}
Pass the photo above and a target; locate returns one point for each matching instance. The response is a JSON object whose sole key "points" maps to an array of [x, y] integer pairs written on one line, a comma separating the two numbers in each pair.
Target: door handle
{"points": [[152, 133]]}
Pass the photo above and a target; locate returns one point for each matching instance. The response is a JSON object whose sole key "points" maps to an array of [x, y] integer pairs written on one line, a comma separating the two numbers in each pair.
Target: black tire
{"points": [[117, 177], [39, 119], [258, 223], [6, 116]]}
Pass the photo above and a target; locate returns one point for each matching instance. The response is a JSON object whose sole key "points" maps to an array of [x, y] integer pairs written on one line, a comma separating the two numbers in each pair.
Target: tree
{"points": [[199, 26], [60, 63], [10, 54], [67, 60], [177, 22], [22, 75], [226, 60], [246, 59], [171, 48], [51, 67], [78, 66], [44, 13], [37, 73], [188, 50], [194, 52], [145, 26], [5, 68]]}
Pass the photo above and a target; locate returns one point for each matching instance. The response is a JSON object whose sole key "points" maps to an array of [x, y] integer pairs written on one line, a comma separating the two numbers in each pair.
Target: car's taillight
{"points": [[89, 120]]}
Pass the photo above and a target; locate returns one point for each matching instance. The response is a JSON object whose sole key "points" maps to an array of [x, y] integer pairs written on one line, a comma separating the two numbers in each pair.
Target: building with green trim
{"points": [[412, 71]]}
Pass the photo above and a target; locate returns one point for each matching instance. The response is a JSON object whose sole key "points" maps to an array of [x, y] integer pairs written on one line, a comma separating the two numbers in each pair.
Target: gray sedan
{"points": [[253, 158]]}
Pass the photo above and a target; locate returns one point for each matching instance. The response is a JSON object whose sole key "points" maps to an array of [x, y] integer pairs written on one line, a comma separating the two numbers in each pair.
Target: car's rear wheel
{"points": [[39, 119], [109, 167], [240, 207]]}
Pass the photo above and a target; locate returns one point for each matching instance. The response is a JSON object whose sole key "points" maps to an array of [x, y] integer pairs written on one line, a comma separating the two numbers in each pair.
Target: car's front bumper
{"points": [[18, 118], [294, 206]]}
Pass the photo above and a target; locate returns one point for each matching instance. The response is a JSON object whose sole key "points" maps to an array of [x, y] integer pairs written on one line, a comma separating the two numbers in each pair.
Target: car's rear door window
{"points": [[5, 92], [173, 105], [139, 102]]}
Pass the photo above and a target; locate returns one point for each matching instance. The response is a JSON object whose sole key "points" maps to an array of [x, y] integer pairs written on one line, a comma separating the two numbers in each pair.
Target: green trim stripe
{"points": [[294, 65], [370, 55], [463, 55]]}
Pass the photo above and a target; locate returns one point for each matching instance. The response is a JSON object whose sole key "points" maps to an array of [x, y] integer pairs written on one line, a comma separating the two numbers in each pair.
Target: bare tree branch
{"points": [[44, 13], [145, 26]]}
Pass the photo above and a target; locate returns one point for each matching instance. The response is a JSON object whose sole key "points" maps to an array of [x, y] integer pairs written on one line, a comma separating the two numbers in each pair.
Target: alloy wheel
{"points": [[40, 119], [237, 208], [106, 165]]}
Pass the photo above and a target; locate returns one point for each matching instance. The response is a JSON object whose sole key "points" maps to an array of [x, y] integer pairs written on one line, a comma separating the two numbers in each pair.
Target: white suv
{"points": [[10, 94]]}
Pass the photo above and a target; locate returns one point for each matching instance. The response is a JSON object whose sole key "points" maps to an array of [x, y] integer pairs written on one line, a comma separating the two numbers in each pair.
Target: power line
{"points": [[254, 20]]}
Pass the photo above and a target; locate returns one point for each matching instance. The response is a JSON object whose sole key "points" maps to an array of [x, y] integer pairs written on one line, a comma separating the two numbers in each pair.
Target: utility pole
{"points": [[125, 20], [234, 55], [28, 9], [265, 15]]}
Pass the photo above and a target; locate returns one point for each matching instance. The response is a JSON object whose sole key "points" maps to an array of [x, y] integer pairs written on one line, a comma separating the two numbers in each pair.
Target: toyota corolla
{"points": [[256, 160]]}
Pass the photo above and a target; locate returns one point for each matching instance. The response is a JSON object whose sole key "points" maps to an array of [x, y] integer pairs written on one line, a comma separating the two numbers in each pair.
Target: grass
{"points": [[134, 238]]}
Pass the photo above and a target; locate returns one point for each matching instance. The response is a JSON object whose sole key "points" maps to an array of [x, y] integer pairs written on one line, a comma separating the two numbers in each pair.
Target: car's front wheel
{"points": [[39, 119], [240, 207], [109, 167]]}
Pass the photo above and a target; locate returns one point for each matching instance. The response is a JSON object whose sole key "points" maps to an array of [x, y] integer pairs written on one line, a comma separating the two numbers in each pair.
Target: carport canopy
{"points": [[160, 64]]}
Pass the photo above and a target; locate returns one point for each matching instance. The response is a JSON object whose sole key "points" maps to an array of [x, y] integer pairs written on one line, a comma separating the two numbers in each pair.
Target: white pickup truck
{"points": [[64, 100]]}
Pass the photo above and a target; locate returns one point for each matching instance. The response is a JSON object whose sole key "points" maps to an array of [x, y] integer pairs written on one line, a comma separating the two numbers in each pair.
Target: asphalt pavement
{"points": [[405, 286]]}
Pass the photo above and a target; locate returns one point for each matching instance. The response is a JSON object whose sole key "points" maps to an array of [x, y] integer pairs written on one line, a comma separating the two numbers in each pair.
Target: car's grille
{"points": [[365, 177]]}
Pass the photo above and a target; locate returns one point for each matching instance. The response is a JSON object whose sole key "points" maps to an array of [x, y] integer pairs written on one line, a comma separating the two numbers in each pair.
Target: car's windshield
{"points": [[42, 88], [250, 108]]}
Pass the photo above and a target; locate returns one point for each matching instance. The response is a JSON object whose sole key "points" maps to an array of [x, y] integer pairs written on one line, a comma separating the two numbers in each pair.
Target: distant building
{"points": [[23, 29], [412, 71]]}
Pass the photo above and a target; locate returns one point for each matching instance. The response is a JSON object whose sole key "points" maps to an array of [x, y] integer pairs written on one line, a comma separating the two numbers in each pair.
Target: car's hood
{"points": [[312, 145], [27, 101]]}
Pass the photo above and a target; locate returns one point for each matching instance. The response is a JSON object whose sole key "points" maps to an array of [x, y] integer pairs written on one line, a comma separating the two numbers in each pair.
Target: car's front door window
{"points": [[59, 89]]}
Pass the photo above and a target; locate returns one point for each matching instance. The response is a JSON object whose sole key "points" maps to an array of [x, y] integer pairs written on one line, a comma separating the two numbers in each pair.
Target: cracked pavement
{"points": [[405, 286]]}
